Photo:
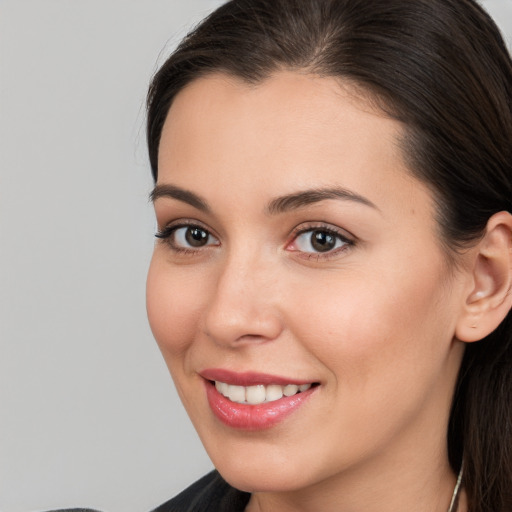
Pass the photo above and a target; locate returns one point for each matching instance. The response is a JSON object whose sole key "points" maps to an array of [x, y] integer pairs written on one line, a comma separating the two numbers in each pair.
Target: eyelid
{"points": [[319, 225], [181, 223], [166, 232], [347, 238]]}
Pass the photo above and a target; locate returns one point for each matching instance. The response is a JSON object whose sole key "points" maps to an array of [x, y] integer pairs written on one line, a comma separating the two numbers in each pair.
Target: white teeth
{"points": [[258, 394], [222, 387], [255, 394], [236, 393], [290, 390], [274, 392]]}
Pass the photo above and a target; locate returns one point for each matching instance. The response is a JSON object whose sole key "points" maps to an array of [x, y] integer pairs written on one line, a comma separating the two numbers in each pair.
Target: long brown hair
{"points": [[442, 68]]}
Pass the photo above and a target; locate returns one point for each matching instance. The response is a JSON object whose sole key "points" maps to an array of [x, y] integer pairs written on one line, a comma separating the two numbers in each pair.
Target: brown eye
{"points": [[187, 237], [317, 241], [322, 241], [195, 237]]}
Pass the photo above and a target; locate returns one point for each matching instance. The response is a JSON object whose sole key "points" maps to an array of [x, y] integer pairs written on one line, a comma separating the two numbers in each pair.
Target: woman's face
{"points": [[297, 250]]}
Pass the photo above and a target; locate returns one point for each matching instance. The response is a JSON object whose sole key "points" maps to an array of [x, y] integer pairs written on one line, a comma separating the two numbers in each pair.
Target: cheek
{"points": [[174, 305], [384, 344], [380, 325]]}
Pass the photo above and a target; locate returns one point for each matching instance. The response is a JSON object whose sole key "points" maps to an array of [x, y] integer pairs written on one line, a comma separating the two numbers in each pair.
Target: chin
{"points": [[264, 468], [263, 478]]}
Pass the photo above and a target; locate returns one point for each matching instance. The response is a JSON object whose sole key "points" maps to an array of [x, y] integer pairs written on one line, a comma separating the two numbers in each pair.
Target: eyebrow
{"points": [[282, 204], [304, 198], [180, 194]]}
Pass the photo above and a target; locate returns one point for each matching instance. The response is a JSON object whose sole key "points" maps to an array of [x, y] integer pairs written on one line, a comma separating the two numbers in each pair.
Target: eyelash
{"points": [[167, 233], [329, 230]]}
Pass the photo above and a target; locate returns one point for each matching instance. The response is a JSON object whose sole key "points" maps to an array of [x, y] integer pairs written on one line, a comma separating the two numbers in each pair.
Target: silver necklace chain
{"points": [[455, 494]]}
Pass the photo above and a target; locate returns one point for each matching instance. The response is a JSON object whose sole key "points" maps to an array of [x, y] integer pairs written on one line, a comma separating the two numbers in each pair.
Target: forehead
{"points": [[318, 103], [309, 130]]}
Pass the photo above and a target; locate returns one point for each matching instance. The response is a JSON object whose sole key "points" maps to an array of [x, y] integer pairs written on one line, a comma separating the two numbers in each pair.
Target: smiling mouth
{"points": [[254, 401], [259, 394]]}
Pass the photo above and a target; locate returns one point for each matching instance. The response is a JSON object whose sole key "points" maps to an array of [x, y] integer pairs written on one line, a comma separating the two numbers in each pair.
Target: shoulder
{"points": [[209, 494]]}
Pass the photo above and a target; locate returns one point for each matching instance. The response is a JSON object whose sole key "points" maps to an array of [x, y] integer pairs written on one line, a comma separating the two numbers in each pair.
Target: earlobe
{"points": [[490, 297]]}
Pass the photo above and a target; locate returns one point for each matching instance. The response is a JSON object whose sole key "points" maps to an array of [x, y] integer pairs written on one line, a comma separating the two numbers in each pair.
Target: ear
{"points": [[490, 291]]}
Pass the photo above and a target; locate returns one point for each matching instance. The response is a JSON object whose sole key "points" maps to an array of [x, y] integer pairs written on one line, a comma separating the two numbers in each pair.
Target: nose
{"points": [[244, 307]]}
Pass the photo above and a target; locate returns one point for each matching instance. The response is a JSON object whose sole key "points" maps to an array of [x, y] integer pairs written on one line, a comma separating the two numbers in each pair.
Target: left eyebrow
{"points": [[304, 198]]}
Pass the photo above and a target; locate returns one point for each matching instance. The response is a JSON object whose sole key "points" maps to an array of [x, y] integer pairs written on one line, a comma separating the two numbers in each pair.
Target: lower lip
{"points": [[253, 417]]}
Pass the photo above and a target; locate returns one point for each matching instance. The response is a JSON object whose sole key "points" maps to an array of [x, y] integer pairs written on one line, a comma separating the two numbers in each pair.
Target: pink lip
{"points": [[246, 416], [248, 378]]}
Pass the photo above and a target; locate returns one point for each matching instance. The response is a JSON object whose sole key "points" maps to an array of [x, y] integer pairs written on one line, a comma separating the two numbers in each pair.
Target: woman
{"points": [[332, 282]]}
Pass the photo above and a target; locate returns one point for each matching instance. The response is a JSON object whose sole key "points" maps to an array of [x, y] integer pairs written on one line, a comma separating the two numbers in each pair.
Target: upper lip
{"points": [[248, 378]]}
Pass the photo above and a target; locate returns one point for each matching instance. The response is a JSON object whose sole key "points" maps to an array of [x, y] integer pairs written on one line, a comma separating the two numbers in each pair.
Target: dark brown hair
{"points": [[440, 67]]}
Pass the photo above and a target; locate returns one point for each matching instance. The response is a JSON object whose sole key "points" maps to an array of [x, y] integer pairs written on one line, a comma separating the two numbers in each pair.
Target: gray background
{"points": [[88, 414]]}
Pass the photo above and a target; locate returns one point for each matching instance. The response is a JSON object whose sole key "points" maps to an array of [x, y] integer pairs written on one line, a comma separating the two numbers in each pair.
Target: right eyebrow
{"points": [[179, 194]]}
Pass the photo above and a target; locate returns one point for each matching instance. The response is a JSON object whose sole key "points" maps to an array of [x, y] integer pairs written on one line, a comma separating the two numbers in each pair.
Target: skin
{"points": [[373, 321]]}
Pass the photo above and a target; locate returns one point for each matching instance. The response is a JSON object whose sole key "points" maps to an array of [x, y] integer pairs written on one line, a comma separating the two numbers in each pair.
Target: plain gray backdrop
{"points": [[88, 413]]}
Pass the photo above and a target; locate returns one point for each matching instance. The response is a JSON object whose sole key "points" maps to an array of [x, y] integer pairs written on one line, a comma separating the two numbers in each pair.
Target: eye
{"points": [[319, 241], [187, 237], [191, 236]]}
